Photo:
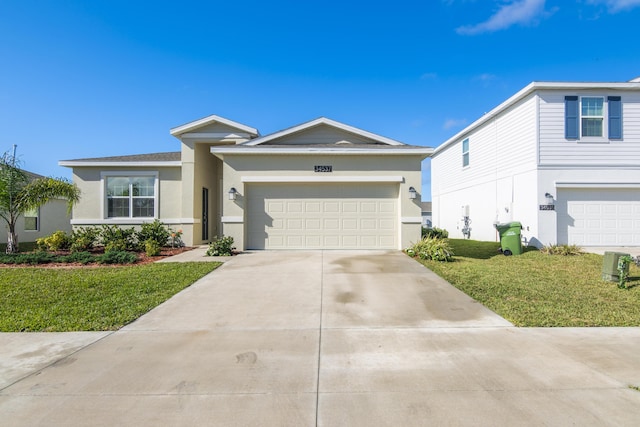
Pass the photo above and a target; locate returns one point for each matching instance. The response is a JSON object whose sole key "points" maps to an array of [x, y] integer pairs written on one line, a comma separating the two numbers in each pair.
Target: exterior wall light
{"points": [[412, 193], [233, 193], [549, 198]]}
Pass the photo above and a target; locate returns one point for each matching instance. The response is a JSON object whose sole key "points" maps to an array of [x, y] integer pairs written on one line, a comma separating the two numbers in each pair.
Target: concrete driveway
{"points": [[331, 338]]}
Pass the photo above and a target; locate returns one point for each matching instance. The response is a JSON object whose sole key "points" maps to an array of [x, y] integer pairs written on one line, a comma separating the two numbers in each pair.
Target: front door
{"points": [[205, 214]]}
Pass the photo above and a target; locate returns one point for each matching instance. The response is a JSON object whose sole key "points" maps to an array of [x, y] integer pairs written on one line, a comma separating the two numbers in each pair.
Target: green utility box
{"points": [[510, 240], [610, 266]]}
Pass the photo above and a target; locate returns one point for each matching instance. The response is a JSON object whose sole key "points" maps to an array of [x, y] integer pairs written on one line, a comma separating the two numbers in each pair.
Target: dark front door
{"points": [[205, 214]]}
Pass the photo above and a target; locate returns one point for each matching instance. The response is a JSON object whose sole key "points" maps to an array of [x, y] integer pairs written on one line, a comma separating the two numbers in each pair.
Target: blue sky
{"points": [[98, 78]]}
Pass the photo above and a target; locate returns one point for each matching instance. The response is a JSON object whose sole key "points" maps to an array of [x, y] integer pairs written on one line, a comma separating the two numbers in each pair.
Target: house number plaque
{"points": [[323, 168], [547, 207]]}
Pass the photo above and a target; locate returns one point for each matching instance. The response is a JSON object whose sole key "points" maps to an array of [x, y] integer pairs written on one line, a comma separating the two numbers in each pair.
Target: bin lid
{"points": [[513, 224]]}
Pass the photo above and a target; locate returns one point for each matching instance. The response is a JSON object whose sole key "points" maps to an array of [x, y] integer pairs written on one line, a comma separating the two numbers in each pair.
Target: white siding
{"points": [[499, 183], [555, 150]]}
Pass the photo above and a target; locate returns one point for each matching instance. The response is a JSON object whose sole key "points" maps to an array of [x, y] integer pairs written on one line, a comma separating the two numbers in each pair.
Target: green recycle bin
{"points": [[510, 241]]}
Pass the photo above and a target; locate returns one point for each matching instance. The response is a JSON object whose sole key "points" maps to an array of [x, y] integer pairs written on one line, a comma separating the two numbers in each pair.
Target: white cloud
{"points": [[615, 6], [454, 123], [524, 12]]}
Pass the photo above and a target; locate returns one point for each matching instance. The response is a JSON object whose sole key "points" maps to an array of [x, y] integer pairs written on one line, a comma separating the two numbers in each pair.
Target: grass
{"points": [[89, 299], [534, 289]]}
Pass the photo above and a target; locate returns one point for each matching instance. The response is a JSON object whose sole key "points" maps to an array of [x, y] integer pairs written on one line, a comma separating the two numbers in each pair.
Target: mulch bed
{"points": [[142, 259]]}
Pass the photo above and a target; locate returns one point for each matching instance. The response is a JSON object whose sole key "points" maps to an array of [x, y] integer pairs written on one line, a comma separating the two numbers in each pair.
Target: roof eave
{"points": [[74, 163], [187, 127]]}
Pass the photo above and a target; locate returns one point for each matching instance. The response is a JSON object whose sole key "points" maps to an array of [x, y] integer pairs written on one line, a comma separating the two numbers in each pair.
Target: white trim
{"points": [[597, 184], [325, 121], [133, 221], [411, 220], [426, 151], [232, 219], [310, 178], [179, 130], [122, 164]]}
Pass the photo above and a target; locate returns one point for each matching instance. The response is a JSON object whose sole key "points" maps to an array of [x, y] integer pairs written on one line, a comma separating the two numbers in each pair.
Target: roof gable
{"points": [[215, 124], [323, 131]]}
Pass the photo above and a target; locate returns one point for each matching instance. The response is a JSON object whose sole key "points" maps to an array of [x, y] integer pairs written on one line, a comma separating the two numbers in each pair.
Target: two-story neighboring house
{"points": [[561, 158]]}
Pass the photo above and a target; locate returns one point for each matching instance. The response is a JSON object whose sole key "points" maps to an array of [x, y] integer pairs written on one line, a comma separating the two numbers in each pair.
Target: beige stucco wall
{"points": [[91, 208], [53, 217], [363, 165]]}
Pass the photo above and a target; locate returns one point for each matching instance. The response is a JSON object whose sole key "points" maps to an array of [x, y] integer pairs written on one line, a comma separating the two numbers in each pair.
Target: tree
{"points": [[19, 193]]}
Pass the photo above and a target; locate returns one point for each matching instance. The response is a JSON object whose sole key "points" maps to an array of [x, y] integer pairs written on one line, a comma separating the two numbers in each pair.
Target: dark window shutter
{"points": [[615, 117], [571, 117]]}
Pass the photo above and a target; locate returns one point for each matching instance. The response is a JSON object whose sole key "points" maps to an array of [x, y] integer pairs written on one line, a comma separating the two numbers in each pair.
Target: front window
{"points": [[465, 153], [592, 116], [131, 196], [32, 220]]}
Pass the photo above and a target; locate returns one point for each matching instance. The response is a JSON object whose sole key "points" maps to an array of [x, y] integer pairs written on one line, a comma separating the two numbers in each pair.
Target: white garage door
{"points": [[322, 216], [599, 217]]}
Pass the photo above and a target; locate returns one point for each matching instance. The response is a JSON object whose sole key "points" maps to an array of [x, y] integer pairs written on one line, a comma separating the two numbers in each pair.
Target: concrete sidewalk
{"points": [[332, 338]]}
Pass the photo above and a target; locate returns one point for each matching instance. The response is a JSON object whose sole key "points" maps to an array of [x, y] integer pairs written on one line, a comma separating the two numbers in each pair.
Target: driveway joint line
{"points": [[320, 336]]}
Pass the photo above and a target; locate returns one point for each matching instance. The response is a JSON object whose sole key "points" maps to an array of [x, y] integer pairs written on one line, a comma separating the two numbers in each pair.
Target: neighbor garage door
{"points": [[322, 216], [599, 217]]}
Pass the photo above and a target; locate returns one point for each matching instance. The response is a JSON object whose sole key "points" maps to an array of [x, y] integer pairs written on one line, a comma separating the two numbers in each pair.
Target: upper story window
{"points": [[131, 196], [593, 117], [465, 153]]}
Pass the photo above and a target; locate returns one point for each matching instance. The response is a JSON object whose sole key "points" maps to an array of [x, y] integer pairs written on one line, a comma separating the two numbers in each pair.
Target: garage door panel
{"points": [[351, 216], [599, 217]]}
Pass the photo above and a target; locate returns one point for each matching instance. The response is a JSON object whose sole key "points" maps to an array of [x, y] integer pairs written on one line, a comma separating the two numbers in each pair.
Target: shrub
{"points": [[115, 238], [435, 232], [81, 257], [57, 241], [155, 231], [221, 246], [431, 248], [151, 248], [32, 258], [83, 239], [564, 250], [117, 257]]}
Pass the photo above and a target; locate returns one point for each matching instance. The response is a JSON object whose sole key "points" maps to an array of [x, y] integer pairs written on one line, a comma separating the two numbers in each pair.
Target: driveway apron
{"points": [[331, 338]]}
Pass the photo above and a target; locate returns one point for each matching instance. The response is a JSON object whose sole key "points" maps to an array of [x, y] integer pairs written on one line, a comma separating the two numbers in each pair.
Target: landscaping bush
{"points": [[116, 239], [81, 257], [435, 232], [564, 250], [83, 239], [58, 241], [117, 257], [431, 248], [152, 248], [155, 231], [32, 258], [221, 246]]}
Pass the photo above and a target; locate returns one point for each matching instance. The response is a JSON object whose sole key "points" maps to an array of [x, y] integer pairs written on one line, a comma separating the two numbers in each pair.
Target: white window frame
{"points": [[604, 117], [128, 174], [465, 154]]}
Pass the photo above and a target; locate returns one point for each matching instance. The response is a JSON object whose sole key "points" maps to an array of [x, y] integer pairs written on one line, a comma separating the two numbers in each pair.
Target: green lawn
{"points": [[89, 299], [534, 289]]}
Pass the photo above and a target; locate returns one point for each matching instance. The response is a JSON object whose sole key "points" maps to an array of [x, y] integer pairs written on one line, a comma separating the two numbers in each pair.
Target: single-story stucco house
{"points": [[41, 222], [318, 185], [562, 158]]}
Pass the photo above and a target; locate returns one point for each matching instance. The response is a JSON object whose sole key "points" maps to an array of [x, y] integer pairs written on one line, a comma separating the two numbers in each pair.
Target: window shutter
{"points": [[615, 117], [571, 117]]}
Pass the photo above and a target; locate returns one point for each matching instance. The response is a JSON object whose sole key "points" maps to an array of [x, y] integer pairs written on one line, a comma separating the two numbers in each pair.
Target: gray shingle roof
{"points": [[172, 156]]}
